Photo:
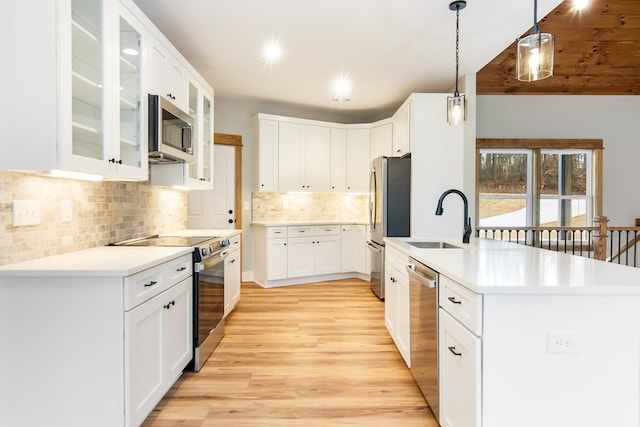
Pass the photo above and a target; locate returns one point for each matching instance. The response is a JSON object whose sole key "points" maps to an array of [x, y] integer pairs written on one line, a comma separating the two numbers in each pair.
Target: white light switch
{"points": [[25, 212], [67, 211]]}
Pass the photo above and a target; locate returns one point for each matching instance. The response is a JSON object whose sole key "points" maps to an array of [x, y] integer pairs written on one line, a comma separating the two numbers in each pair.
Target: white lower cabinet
{"points": [[108, 345], [396, 309], [460, 372], [316, 252], [287, 255], [158, 345], [232, 280]]}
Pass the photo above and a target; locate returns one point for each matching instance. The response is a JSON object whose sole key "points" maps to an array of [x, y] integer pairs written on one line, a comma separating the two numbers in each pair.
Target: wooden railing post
{"points": [[600, 238]]}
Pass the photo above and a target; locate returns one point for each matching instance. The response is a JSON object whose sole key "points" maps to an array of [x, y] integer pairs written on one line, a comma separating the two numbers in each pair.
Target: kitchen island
{"points": [[532, 337]]}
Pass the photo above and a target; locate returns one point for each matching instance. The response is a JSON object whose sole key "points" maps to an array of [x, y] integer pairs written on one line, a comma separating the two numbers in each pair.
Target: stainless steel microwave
{"points": [[170, 132]]}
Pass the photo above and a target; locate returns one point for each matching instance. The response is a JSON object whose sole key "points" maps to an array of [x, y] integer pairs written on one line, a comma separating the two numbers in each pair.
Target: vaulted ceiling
{"points": [[597, 53]]}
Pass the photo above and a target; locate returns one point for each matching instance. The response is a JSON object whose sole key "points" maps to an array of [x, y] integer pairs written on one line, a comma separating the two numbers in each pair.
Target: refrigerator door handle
{"points": [[373, 202]]}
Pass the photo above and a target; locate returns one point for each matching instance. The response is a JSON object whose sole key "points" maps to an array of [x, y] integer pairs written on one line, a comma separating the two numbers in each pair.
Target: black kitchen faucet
{"points": [[466, 219]]}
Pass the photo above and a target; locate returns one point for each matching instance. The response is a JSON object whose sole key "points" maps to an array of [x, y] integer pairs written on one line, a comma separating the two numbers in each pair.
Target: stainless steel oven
{"points": [[209, 253]]}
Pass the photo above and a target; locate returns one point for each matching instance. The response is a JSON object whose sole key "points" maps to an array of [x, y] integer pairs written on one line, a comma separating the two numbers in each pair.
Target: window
{"points": [[538, 183]]}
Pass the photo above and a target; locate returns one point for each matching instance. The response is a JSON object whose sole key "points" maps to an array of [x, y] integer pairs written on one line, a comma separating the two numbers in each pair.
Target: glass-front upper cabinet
{"points": [[130, 91], [194, 111], [87, 76], [207, 139]]}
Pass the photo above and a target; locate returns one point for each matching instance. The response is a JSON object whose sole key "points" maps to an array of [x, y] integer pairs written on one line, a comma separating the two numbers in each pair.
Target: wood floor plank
{"points": [[307, 355]]}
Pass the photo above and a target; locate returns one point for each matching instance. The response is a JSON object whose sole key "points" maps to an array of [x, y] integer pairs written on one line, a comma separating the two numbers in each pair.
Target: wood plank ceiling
{"points": [[597, 52]]}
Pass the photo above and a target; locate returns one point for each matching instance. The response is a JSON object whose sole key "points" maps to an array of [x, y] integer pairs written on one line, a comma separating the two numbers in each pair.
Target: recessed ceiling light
{"points": [[341, 88], [272, 51]]}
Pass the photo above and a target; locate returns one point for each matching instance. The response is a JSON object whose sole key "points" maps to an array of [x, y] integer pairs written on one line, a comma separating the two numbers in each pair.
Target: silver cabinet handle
{"points": [[455, 353]]}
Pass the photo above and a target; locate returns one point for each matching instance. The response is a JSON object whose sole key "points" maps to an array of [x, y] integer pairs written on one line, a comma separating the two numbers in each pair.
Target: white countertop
{"points": [[105, 261], [294, 223], [490, 267]]}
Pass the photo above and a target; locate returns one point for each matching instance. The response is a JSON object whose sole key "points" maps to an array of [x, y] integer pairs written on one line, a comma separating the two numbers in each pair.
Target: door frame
{"points": [[236, 141]]}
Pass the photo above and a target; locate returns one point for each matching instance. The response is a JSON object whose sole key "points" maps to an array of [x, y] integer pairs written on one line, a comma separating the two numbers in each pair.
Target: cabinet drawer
{"points": [[327, 230], [234, 242], [461, 303], [276, 232], [299, 231], [397, 258], [148, 283]]}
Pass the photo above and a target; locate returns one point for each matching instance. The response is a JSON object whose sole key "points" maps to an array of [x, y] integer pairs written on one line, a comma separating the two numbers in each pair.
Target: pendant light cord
{"points": [[535, 29], [457, 46]]}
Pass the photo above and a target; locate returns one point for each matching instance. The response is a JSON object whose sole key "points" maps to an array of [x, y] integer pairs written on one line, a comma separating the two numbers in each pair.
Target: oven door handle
{"points": [[210, 262]]}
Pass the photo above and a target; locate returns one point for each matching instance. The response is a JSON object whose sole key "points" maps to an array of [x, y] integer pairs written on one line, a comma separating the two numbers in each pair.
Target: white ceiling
{"points": [[388, 48]]}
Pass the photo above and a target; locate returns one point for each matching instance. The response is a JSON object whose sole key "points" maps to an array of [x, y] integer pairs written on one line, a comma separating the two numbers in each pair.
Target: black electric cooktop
{"points": [[190, 241]]}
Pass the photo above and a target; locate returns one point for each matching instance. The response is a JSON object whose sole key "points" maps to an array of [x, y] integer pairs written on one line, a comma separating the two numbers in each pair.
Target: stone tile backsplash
{"points": [[102, 213], [309, 207]]}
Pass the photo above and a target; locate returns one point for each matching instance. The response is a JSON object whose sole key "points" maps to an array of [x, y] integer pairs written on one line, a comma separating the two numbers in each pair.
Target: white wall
{"points": [[615, 119]]}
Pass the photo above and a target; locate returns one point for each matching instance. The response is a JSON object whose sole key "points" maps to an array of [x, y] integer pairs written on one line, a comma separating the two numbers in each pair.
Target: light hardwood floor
{"points": [[307, 355]]}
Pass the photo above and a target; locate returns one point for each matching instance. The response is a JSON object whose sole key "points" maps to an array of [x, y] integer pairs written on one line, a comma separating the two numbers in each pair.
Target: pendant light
{"points": [[534, 53], [456, 104]]}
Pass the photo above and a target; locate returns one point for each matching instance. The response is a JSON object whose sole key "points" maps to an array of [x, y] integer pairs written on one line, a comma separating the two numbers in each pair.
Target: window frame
{"points": [[535, 147]]}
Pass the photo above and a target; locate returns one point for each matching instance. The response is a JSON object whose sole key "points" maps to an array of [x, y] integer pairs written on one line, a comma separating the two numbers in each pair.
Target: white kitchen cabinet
{"points": [[289, 255], [303, 157], [158, 345], [338, 160], [266, 154], [381, 139], [169, 78], [402, 130], [459, 361], [113, 342], [72, 58], [357, 175], [232, 278], [353, 247], [397, 301], [313, 250], [196, 175]]}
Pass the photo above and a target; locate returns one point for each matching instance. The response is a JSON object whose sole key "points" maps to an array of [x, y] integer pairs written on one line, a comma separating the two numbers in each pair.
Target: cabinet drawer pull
{"points": [[455, 353], [151, 283], [168, 306], [453, 300], [182, 269]]}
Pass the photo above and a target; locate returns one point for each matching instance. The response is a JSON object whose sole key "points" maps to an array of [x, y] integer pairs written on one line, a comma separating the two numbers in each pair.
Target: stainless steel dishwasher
{"points": [[423, 315]]}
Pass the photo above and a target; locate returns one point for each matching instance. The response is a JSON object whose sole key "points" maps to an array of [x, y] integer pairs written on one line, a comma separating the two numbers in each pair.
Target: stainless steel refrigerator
{"points": [[389, 210]]}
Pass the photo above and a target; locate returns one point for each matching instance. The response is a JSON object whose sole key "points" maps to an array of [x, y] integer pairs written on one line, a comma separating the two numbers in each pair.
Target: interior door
{"points": [[216, 208]]}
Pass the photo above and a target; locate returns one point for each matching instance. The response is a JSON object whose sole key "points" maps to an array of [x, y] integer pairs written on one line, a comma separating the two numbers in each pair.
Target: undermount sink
{"points": [[434, 245]]}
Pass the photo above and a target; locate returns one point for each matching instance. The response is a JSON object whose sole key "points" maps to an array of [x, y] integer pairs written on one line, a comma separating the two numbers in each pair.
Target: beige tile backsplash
{"points": [[103, 212], [309, 207]]}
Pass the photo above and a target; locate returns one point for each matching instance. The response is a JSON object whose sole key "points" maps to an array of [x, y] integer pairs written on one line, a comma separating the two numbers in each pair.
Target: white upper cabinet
{"points": [[266, 154], [382, 139], [357, 171], [70, 117], [402, 130], [303, 157], [338, 179], [169, 78]]}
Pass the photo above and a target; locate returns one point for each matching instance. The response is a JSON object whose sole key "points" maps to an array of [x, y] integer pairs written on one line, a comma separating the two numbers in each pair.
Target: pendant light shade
{"points": [[534, 54], [456, 104]]}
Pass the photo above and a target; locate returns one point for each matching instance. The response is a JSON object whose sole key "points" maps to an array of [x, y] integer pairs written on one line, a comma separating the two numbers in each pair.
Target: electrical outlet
{"points": [[67, 211], [563, 342], [25, 212]]}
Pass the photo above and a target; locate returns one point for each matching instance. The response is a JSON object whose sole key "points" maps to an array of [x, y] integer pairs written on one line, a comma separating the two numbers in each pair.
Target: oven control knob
{"points": [[206, 251]]}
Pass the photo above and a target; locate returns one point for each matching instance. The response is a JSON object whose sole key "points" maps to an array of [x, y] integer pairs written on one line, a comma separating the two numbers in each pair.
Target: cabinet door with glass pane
{"points": [[201, 108], [129, 155], [89, 77]]}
